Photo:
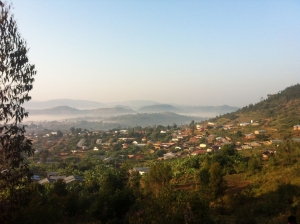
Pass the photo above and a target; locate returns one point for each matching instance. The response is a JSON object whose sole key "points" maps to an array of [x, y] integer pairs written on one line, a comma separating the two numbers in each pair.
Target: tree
{"points": [[217, 183], [72, 129], [15, 83], [59, 134], [228, 150], [158, 177]]}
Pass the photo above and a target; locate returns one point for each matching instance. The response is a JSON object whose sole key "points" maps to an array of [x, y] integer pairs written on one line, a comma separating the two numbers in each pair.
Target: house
{"points": [[157, 146], [95, 149], [199, 127], [141, 145], [268, 153], [51, 177], [249, 136], [194, 139], [214, 148], [297, 127], [122, 139], [124, 132], [244, 124], [144, 139], [56, 178], [199, 152], [202, 145], [276, 141], [80, 143], [141, 170], [130, 156], [169, 155], [108, 159], [35, 178], [72, 178], [166, 145], [46, 181], [211, 123], [254, 144], [246, 147], [228, 126], [99, 141], [296, 139], [50, 174], [64, 153], [259, 132]]}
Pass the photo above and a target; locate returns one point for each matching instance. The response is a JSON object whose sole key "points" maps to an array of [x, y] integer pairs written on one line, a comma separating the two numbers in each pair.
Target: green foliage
{"points": [[172, 207], [239, 134], [16, 75], [204, 177], [158, 177], [228, 150], [217, 184], [254, 164]]}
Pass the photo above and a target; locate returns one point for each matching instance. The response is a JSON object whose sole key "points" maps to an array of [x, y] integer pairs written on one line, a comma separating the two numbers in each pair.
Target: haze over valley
{"points": [[142, 113]]}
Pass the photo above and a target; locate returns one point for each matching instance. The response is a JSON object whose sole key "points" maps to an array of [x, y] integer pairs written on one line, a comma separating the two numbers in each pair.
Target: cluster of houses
{"points": [[183, 141], [54, 177]]}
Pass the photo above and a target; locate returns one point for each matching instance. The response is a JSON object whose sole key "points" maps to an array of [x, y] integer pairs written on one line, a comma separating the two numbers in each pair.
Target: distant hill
{"points": [[110, 111], [159, 108], [207, 111], [79, 104], [216, 110], [61, 110], [65, 110], [282, 109], [149, 119], [142, 106], [134, 104]]}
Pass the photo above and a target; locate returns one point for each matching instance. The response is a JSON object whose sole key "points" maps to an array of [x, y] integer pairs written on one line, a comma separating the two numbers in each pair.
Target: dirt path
{"points": [[267, 122]]}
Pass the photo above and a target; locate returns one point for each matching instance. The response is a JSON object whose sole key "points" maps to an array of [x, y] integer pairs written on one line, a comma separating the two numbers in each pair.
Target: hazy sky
{"points": [[186, 52]]}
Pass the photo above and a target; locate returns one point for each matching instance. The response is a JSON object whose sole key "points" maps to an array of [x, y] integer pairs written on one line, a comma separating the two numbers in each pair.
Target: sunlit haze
{"points": [[185, 52]]}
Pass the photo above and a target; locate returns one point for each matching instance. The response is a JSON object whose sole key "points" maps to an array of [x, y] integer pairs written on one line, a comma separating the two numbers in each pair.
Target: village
{"points": [[140, 145]]}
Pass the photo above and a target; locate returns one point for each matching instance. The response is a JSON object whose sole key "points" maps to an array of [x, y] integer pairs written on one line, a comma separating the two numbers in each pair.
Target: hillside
{"points": [[212, 110], [280, 111]]}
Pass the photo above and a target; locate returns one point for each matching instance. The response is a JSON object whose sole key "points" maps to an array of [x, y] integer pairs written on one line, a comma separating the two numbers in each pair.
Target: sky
{"points": [[185, 52]]}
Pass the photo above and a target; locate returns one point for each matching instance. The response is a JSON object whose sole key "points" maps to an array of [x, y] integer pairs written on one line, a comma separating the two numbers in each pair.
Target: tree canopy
{"points": [[15, 83]]}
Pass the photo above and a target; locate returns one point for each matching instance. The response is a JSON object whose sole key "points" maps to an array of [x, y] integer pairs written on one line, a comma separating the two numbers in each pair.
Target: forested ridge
{"points": [[283, 108]]}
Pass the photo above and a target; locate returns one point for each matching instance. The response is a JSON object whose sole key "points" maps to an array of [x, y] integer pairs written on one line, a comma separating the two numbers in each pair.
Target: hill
{"points": [[279, 111], [79, 104], [207, 110], [159, 108], [65, 110], [149, 119], [134, 104]]}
